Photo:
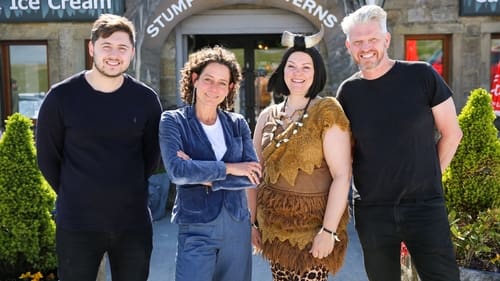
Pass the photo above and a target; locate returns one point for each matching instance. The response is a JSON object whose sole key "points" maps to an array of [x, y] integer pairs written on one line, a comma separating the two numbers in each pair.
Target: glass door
{"points": [[258, 56], [266, 61]]}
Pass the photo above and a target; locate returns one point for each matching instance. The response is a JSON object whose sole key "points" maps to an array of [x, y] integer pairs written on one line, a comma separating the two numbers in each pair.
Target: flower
{"points": [[34, 277]]}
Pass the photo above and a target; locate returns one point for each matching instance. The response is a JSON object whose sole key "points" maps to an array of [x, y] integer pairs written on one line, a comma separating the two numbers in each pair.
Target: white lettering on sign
{"points": [[24, 5], [316, 10], [60, 4], [167, 16], [79, 4]]}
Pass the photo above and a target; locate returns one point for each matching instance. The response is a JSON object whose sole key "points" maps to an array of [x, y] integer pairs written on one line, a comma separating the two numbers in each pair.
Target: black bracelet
{"points": [[333, 234], [255, 225], [327, 230]]}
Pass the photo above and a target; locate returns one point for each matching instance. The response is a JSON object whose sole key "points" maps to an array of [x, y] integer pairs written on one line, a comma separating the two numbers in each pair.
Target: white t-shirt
{"points": [[216, 137]]}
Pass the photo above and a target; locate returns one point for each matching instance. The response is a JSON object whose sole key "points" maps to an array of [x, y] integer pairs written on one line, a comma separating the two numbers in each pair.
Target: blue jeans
{"points": [[424, 228], [79, 254], [219, 250]]}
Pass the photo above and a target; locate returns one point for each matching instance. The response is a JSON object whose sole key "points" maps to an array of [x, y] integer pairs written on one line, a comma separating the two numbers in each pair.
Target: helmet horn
{"points": [[288, 38]]}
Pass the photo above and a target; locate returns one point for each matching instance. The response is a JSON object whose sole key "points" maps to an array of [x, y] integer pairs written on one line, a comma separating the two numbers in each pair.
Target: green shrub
{"points": [[472, 186], [472, 181], [477, 241], [27, 229]]}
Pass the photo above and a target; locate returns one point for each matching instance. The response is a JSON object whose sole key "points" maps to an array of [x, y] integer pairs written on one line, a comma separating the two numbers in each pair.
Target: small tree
{"points": [[472, 186], [472, 181], [27, 229]]}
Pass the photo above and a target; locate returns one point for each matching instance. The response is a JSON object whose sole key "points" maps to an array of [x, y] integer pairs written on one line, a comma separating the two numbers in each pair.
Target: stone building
{"points": [[44, 41]]}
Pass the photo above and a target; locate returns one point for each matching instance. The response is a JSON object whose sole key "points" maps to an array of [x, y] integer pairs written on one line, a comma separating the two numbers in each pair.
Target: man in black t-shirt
{"points": [[394, 108]]}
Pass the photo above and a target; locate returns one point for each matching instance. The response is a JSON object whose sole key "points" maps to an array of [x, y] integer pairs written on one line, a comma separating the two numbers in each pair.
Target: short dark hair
{"points": [[277, 83], [107, 24]]}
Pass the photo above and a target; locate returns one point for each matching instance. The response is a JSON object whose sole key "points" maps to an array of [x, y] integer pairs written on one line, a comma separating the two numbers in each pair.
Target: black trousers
{"points": [[79, 254], [424, 228]]}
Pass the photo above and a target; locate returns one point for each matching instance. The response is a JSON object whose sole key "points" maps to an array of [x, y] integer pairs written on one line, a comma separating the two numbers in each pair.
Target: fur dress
{"points": [[292, 198]]}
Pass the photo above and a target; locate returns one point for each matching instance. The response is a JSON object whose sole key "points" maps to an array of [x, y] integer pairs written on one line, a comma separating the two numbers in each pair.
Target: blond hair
{"points": [[365, 14]]}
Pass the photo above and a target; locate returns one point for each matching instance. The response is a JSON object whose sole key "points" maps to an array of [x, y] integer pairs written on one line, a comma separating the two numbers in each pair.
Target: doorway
{"points": [[258, 56]]}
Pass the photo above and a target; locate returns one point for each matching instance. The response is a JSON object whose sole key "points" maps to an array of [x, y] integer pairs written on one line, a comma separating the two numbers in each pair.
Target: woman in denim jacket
{"points": [[209, 155]]}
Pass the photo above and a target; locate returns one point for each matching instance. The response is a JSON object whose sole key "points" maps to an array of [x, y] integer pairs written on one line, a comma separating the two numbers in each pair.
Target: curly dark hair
{"points": [[196, 64]]}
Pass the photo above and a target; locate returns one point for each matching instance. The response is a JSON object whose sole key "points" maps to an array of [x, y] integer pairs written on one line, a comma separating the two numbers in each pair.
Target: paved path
{"points": [[164, 247]]}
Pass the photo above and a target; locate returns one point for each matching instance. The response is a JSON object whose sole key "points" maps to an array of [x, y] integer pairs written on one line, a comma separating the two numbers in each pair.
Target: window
{"points": [[24, 78], [434, 49], [495, 72]]}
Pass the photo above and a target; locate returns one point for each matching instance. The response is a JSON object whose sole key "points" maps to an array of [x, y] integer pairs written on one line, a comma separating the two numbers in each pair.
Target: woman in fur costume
{"points": [[299, 211]]}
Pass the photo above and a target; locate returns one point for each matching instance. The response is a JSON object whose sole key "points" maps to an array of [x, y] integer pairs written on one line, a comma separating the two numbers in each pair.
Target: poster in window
{"points": [[479, 8]]}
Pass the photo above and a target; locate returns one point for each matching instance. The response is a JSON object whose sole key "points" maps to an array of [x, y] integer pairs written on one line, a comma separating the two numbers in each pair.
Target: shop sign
{"points": [[178, 7], [479, 8], [315, 9], [167, 16], [57, 10]]}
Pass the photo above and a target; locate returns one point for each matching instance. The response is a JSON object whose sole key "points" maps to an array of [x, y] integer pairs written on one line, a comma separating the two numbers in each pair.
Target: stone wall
{"points": [[470, 41], [470, 44], [66, 48]]}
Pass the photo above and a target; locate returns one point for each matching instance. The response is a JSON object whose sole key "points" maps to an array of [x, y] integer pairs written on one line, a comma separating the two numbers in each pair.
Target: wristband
{"points": [[333, 235], [255, 225]]}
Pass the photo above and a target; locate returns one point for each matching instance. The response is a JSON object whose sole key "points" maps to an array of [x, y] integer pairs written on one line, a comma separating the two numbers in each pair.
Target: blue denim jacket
{"points": [[194, 203]]}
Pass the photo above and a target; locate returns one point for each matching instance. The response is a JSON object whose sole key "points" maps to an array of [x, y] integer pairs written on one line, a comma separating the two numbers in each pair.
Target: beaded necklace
{"points": [[296, 125]]}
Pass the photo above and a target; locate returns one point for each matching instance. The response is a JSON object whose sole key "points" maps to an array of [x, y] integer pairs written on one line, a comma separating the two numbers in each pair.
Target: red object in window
{"points": [[438, 67], [411, 50], [495, 90], [436, 60]]}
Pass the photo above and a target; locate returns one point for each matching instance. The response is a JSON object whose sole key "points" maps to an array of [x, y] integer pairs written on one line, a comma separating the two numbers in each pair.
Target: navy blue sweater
{"points": [[97, 151]]}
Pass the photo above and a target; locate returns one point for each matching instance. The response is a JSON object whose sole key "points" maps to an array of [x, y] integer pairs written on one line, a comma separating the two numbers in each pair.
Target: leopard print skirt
{"points": [[280, 273]]}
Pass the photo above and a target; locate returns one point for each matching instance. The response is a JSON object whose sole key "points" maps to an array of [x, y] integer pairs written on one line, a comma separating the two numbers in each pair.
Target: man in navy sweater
{"points": [[97, 143]]}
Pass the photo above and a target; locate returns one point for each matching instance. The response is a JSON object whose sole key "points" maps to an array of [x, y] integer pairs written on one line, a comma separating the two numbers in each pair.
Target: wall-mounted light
{"points": [[262, 46], [375, 2]]}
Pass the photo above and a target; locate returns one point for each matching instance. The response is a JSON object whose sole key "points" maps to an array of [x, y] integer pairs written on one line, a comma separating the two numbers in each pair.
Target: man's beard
{"points": [[367, 66], [104, 73]]}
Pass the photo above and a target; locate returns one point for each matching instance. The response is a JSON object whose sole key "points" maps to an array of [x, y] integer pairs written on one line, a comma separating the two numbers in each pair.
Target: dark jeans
{"points": [[424, 228], [79, 254]]}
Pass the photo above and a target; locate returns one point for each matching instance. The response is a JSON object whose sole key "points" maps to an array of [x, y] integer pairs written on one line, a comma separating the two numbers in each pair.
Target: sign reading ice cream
{"points": [[57, 10]]}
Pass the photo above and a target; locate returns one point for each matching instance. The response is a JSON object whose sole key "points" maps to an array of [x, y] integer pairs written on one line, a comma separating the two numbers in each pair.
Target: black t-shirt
{"points": [[395, 154]]}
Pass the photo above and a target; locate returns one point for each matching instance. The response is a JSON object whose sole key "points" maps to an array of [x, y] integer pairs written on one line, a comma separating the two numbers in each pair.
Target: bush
{"points": [[27, 229], [472, 181], [477, 240], [472, 186]]}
